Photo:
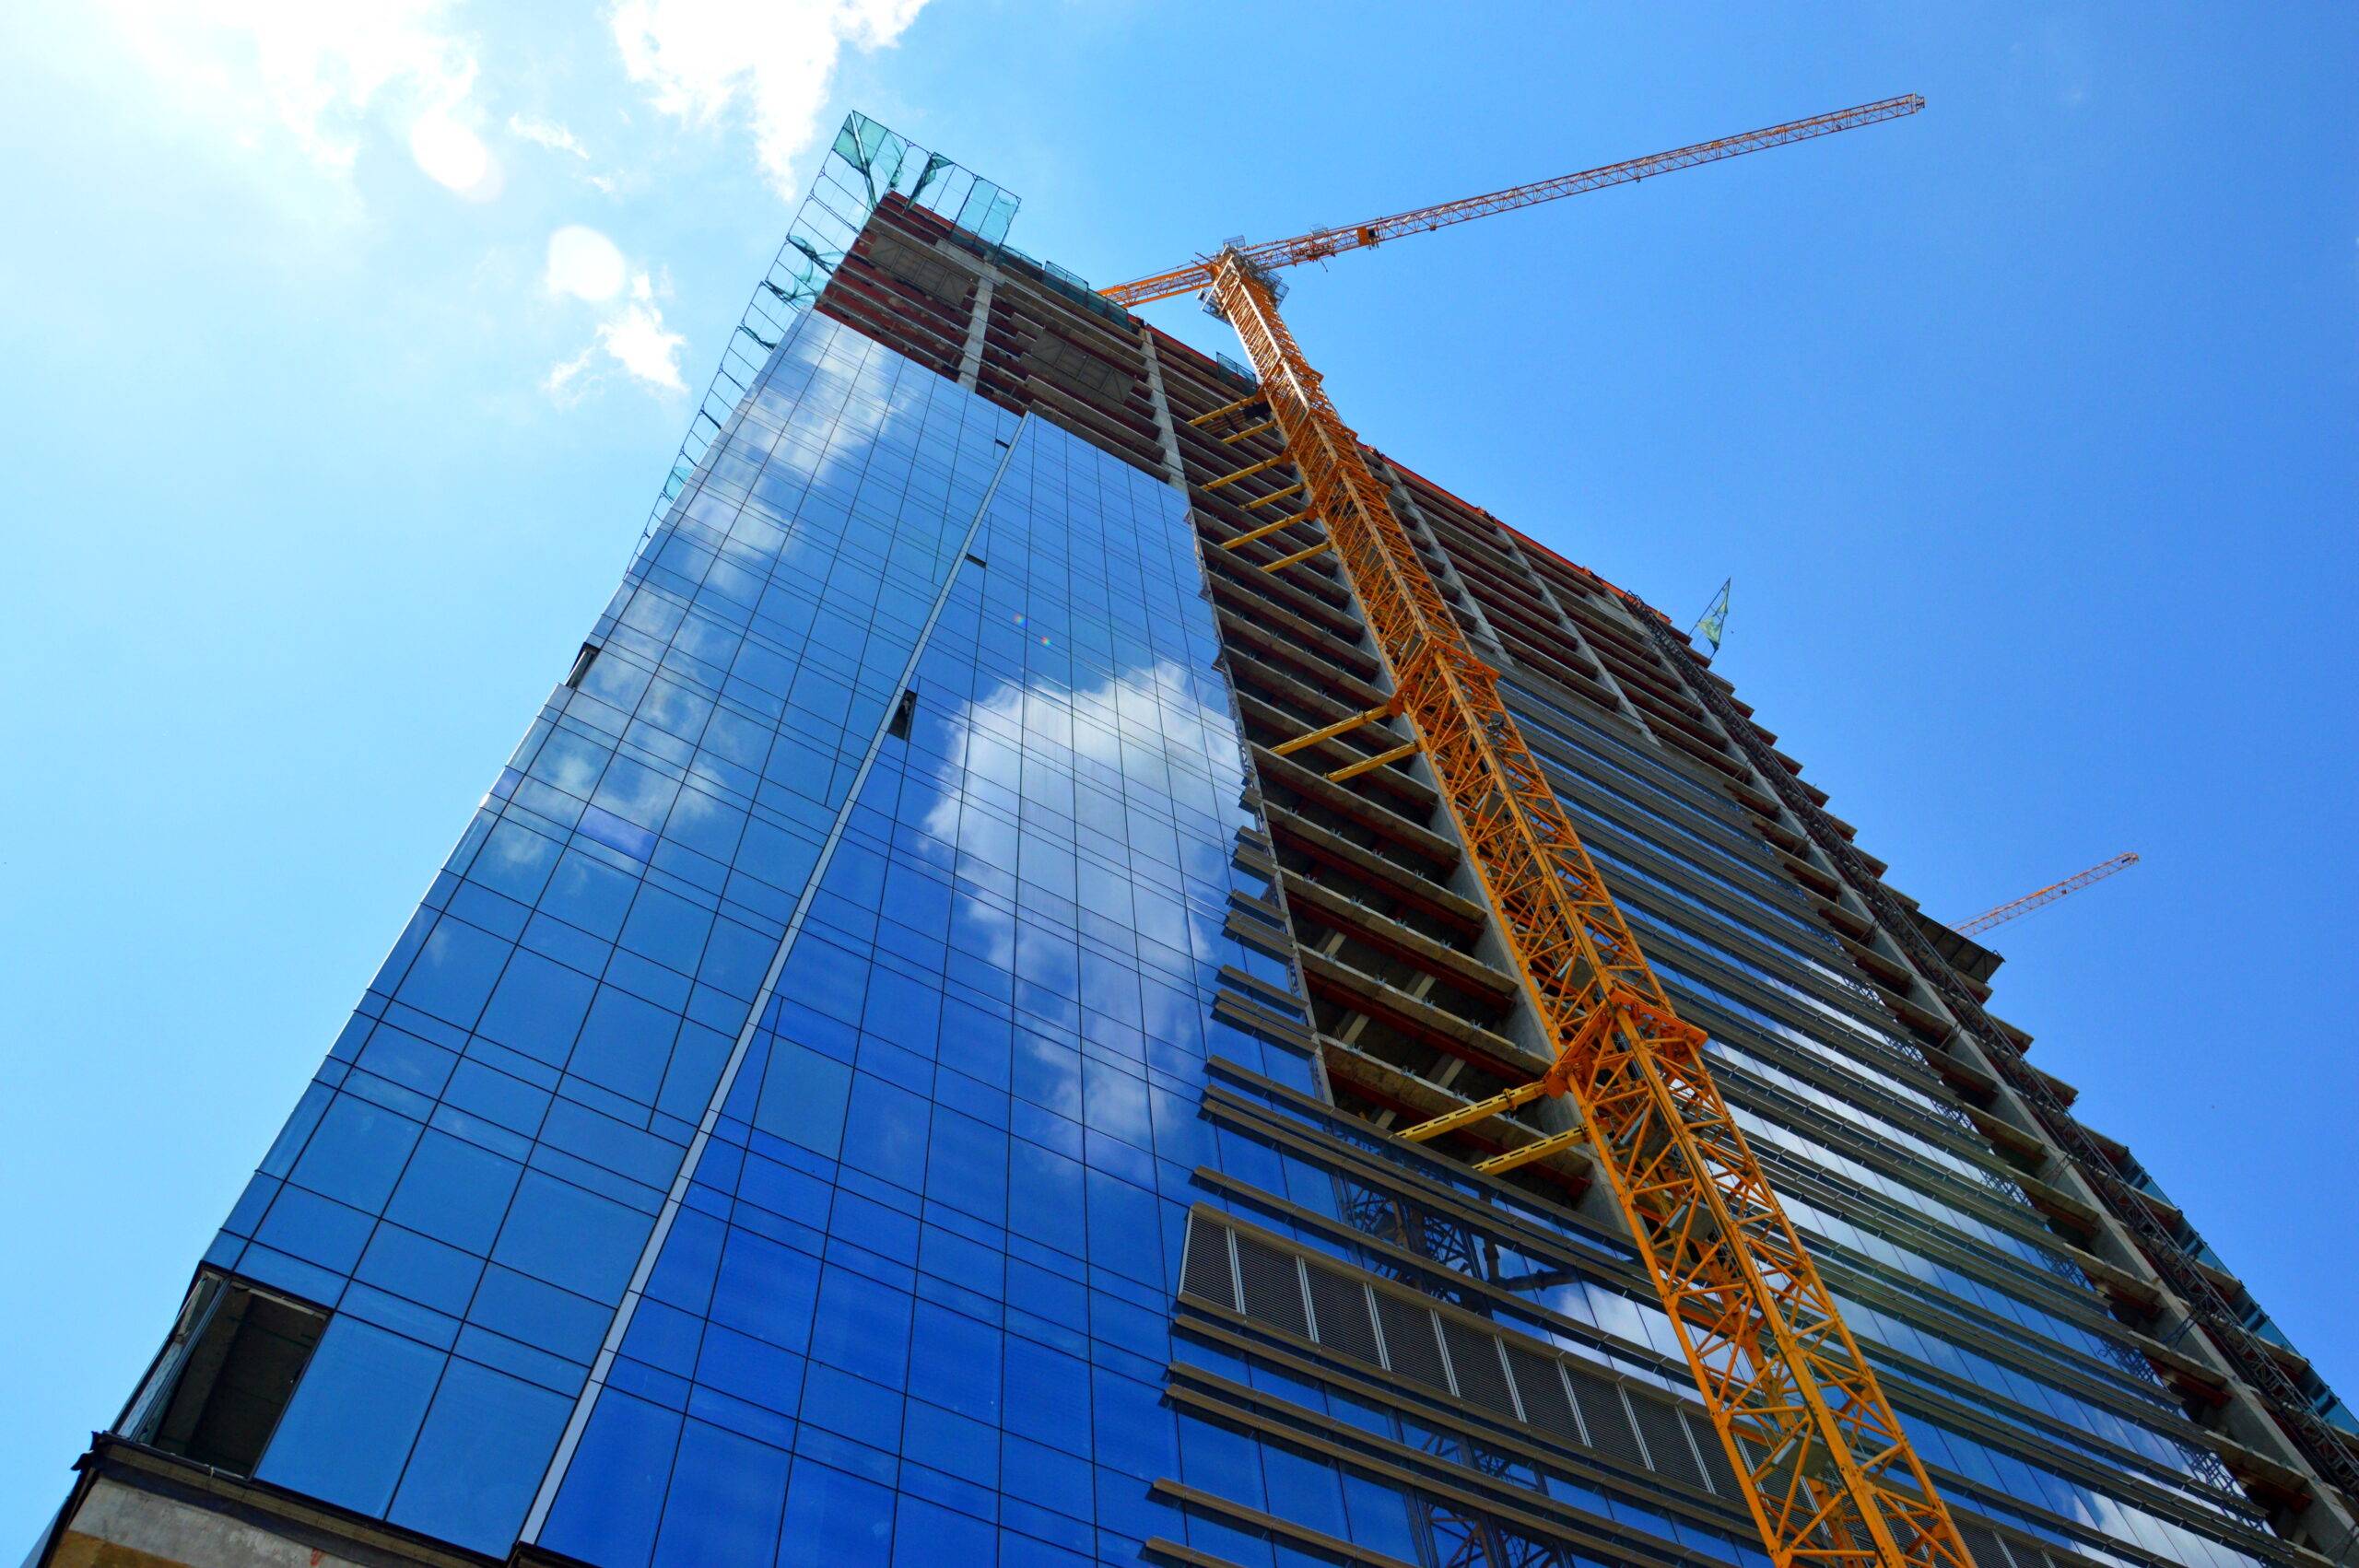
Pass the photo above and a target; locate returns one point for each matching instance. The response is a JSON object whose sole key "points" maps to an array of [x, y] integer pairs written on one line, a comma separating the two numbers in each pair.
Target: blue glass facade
{"points": [[973, 1065], [918, 1291]]}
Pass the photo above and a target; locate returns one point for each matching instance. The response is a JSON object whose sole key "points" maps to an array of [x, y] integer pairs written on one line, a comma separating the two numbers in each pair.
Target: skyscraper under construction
{"points": [[979, 1026]]}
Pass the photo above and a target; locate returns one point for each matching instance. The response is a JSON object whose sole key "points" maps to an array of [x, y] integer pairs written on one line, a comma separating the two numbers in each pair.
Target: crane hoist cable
{"points": [[1829, 1475]]}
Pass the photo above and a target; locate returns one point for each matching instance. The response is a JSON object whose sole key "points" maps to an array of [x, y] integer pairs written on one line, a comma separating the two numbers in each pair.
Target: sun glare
{"points": [[454, 157], [585, 263]]}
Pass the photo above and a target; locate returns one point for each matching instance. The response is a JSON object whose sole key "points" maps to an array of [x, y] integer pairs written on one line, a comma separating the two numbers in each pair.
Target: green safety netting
{"points": [[866, 163]]}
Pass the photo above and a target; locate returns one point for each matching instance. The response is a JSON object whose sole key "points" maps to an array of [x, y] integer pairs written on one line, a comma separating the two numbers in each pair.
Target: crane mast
{"points": [[1828, 1473]]}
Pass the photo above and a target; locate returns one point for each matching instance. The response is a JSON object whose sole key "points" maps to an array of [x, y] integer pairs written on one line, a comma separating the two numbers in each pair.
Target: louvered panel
{"points": [[1341, 1306], [1546, 1406], [1562, 1399], [1603, 1414], [1666, 1441], [1272, 1285], [1411, 1349], [1206, 1275], [1716, 1456], [1989, 1550], [1482, 1378]]}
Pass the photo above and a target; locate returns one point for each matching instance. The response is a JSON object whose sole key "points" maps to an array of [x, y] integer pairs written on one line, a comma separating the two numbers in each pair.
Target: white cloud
{"points": [[639, 343], [453, 156], [585, 263], [548, 133], [314, 70], [700, 57], [1173, 741], [567, 383]]}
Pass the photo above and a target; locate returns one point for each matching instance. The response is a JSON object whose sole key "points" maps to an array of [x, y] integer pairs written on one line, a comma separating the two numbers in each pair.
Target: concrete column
{"points": [[1571, 628], [1169, 435], [970, 363]]}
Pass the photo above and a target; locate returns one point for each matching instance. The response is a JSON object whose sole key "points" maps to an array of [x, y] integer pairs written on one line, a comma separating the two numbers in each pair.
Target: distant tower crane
{"points": [[2046, 895], [1828, 1473]]}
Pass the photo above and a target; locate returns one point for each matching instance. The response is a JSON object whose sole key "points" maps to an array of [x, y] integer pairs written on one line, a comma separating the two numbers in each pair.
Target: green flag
{"points": [[1716, 617]]}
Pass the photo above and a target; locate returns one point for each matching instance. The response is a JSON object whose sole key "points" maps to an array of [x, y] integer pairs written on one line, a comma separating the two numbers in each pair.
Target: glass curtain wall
{"points": [[485, 1163], [916, 1304]]}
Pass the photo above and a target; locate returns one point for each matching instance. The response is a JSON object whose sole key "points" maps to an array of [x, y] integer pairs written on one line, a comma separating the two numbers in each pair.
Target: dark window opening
{"points": [[1077, 367], [904, 714], [977, 560], [223, 1382], [929, 274], [582, 662]]}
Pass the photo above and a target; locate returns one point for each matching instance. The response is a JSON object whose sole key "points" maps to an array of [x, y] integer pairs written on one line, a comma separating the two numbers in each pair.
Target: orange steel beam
{"points": [[1828, 1473], [2050, 895], [1322, 243]]}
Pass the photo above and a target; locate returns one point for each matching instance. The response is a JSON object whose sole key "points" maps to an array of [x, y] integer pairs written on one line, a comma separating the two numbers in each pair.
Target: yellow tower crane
{"points": [[1828, 1472]]}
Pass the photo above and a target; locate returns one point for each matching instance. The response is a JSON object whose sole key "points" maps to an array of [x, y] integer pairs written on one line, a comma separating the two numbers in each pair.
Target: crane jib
{"points": [[1322, 243]]}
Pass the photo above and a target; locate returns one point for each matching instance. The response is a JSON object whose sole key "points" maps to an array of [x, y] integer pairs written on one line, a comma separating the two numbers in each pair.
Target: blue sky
{"points": [[342, 357]]}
